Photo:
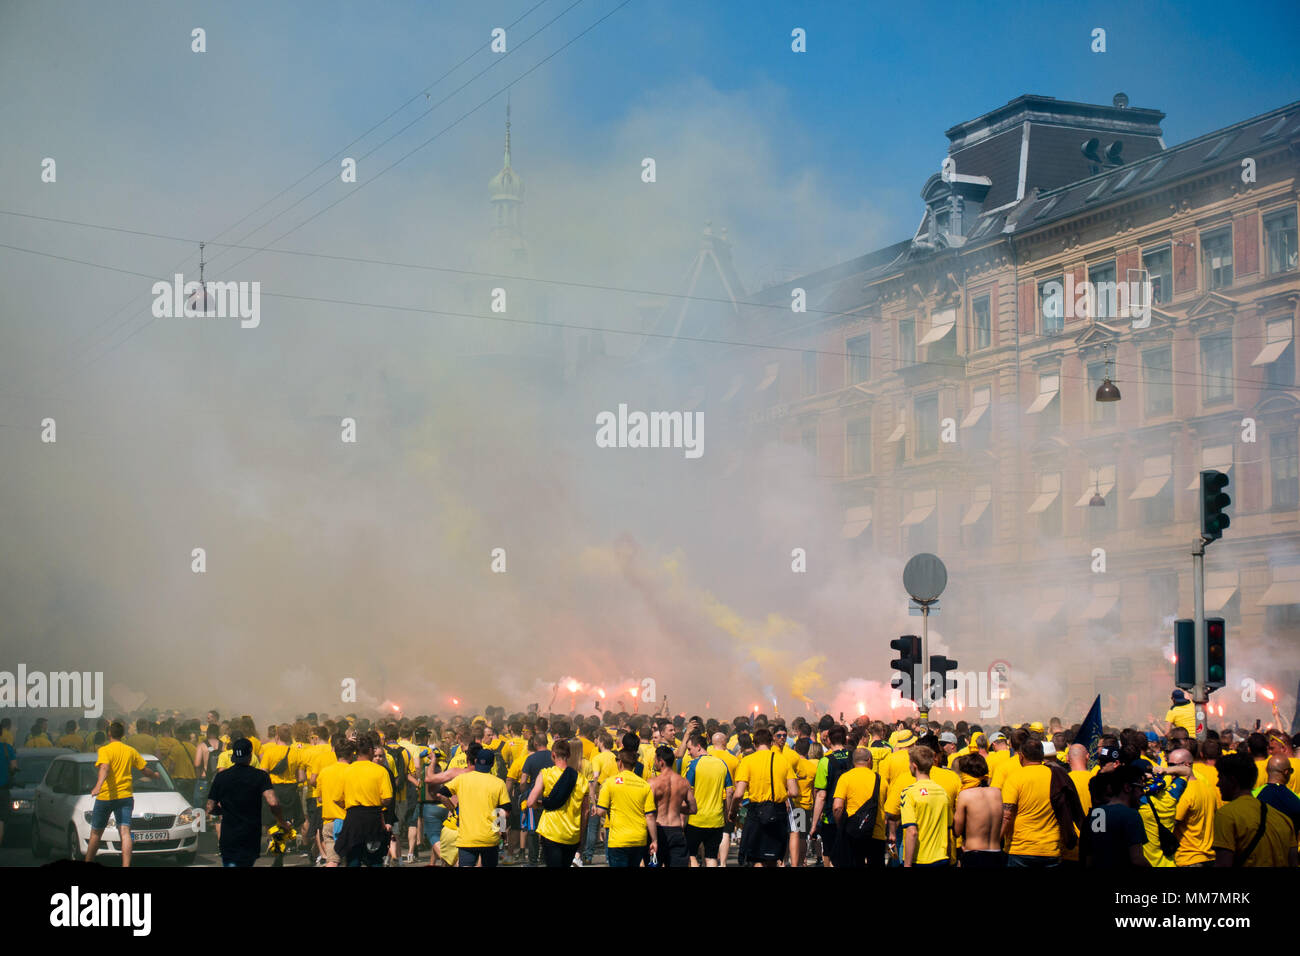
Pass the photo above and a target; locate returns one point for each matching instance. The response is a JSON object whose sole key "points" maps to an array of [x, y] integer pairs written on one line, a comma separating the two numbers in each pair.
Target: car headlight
{"points": [[187, 817], [22, 804]]}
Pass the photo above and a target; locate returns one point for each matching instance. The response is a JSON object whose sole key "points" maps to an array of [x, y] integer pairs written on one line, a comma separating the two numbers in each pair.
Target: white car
{"points": [[162, 821]]}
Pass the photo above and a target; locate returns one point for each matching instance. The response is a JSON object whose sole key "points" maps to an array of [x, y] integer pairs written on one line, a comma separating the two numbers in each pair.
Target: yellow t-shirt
{"points": [[72, 741], [855, 787], [711, 778], [38, 742], [646, 754], [1080, 778], [224, 760], [926, 807], [1194, 827], [330, 787], [603, 766], [1036, 832], [950, 780], [764, 772], [141, 743], [478, 795], [181, 761], [995, 758], [1005, 768], [321, 756], [1235, 824], [730, 759], [896, 764], [1184, 716], [121, 760], [7, 736], [1210, 777], [804, 772], [272, 753], [565, 824], [627, 798], [365, 784]]}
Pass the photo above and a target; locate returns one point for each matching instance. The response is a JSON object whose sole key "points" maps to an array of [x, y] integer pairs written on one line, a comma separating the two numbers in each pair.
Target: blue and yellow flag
{"points": [[1090, 731]]}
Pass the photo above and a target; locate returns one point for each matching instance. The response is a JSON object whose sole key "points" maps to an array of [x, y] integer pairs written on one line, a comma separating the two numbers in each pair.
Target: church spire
{"points": [[507, 196]]}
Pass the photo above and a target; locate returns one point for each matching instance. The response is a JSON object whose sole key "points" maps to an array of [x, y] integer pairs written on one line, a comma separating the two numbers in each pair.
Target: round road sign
{"points": [[924, 578]]}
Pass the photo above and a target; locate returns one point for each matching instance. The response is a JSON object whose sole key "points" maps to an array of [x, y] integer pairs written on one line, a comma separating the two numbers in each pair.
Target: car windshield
{"points": [[88, 774], [31, 771]]}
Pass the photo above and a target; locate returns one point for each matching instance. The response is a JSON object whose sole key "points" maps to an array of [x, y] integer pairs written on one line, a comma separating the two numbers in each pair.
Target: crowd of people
{"points": [[660, 790]]}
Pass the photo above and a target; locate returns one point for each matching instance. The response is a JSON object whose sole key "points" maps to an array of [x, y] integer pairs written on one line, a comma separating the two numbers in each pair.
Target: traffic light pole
{"points": [[924, 702], [1200, 692]]}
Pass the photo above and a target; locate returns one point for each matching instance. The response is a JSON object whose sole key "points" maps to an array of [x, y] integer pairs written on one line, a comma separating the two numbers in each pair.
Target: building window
{"points": [[1280, 235], [1105, 295], [1160, 270], [808, 438], [983, 322], [1157, 379], [859, 440], [1047, 405], [1216, 258], [977, 423], [1102, 412], [859, 348], [977, 522], [1051, 305], [809, 373], [927, 425], [921, 523], [906, 342], [1156, 490], [1216, 368], [1163, 597], [1277, 356], [941, 341], [1283, 469]]}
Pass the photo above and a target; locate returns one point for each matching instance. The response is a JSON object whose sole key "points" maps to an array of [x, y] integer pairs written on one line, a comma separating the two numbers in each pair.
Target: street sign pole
{"points": [[924, 579], [924, 702], [1200, 693]]}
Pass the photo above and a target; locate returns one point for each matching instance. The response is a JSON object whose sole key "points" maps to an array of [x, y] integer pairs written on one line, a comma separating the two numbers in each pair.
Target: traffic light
{"points": [[909, 657], [1216, 662], [940, 666], [1213, 500], [1185, 653]]}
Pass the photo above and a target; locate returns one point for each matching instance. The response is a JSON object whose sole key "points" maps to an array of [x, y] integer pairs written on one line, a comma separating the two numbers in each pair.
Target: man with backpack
{"points": [[857, 802], [926, 815], [836, 762], [397, 761]]}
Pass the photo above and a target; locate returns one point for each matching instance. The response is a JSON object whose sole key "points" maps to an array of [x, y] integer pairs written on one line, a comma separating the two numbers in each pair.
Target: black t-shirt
{"points": [[237, 792], [535, 763], [1109, 832]]}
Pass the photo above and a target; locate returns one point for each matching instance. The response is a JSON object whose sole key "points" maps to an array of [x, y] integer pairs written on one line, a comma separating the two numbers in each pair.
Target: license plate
{"points": [[149, 836]]}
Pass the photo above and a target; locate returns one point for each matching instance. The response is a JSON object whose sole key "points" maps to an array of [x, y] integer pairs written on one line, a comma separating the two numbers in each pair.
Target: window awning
{"points": [[1220, 586], [1156, 472], [1276, 341], [1100, 606], [974, 415], [734, 389], [856, 521], [1049, 489], [1049, 607], [897, 434], [941, 323], [982, 498], [1101, 481], [1216, 458], [1042, 401], [769, 376], [923, 503], [1285, 588]]}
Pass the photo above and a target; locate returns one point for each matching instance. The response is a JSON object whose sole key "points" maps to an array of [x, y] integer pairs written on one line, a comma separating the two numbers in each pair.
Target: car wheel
{"points": [[39, 849], [187, 859], [74, 845]]}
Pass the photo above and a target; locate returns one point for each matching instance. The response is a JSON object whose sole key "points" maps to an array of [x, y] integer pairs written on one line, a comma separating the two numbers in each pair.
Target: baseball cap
{"points": [[996, 737], [977, 740], [1178, 697], [485, 759], [947, 737], [241, 750], [1107, 754], [1037, 725]]}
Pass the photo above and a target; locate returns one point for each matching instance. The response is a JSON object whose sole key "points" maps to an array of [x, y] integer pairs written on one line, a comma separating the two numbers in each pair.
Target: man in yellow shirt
{"points": [[765, 777], [1028, 820], [482, 803], [1181, 713], [70, 738], [367, 791], [926, 815], [1193, 814], [142, 740], [896, 763], [113, 791], [329, 788], [855, 788], [629, 803], [561, 793], [1246, 832], [37, 736], [711, 782]]}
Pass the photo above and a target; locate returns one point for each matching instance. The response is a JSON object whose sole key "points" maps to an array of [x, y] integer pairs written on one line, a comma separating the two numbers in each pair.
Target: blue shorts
{"points": [[120, 809], [434, 816]]}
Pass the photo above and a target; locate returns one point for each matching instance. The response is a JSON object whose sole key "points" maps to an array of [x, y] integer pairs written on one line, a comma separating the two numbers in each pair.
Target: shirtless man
{"points": [[979, 818], [672, 793]]}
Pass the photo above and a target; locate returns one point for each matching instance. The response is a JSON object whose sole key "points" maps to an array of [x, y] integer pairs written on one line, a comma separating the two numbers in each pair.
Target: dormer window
{"points": [[942, 222]]}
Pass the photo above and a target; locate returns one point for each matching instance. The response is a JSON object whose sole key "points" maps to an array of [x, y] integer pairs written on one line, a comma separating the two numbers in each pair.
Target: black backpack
{"points": [[862, 824], [401, 768]]}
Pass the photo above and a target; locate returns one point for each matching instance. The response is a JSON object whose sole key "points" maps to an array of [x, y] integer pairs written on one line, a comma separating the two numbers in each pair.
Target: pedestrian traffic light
{"points": [[909, 657], [1216, 662], [1185, 653], [1213, 500], [940, 667]]}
